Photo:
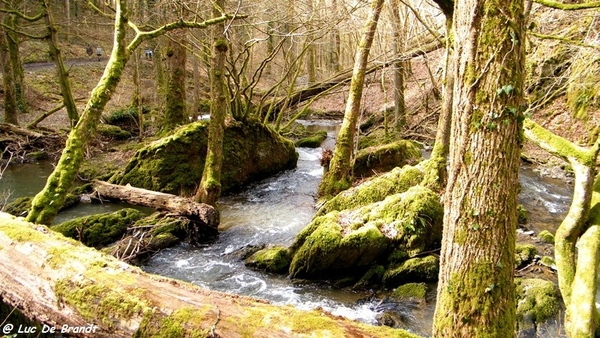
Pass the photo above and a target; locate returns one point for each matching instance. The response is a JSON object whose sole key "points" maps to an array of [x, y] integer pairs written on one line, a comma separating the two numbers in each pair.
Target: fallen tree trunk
{"points": [[159, 201], [343, 78], [67, 286]]}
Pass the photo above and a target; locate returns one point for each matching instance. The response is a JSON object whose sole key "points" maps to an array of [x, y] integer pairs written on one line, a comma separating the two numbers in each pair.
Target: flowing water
{"points": [[273, 211]]}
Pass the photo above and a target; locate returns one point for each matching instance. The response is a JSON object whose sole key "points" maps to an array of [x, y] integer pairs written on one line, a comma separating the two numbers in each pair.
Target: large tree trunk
{"points": [[61, 283], [210, 184], [175, 110], [337, 177], [476, 296], [10, 102]]}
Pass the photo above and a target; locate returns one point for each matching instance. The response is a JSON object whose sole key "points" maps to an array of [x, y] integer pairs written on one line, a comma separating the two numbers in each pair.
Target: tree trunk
{"points": [[476, 296], [56, 56], [12, 40], [398, 67], [577, 239], [210, 185], [338, 176], [10, 103], [175, 110], [61, 283]]}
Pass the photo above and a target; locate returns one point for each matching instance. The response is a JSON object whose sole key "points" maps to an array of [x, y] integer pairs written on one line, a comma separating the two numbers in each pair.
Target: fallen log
{"points": [[64, 285], [159, 201]]}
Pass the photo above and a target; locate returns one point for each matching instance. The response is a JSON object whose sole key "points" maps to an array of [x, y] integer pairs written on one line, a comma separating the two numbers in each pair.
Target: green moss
{"points": [[522, 214], [100, 302], [100, 229], [184, 322], [373, 276], [384, 158], [274, 259], [548, 262], [113, 132], [546, 237], [524, 254], [19, 207], [375, 189], [418, 269], [410, 292], [174, 164], [537, 299], [313, 141]]}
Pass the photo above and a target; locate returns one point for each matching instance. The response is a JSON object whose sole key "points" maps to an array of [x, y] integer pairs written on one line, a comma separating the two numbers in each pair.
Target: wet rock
{"points": [[354, 240], [273, 259], [313, 141], [410, 292], [524, 254], [416, 269]]}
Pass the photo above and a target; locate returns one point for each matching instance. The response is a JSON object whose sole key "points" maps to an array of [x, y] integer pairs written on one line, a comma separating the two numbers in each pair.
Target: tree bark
{"points": [[175, 110], [61, 283], [476, 296], [337, 177], [210, 184], [10, 99]]}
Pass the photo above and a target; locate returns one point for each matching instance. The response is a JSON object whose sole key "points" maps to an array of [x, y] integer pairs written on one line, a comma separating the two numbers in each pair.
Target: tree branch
{"points": [[565, 40], [21, 15]]}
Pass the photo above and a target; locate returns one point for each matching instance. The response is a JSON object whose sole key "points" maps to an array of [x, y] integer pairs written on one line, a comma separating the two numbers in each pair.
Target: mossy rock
{"points": [[113, 132], [410, 292], [522, 215], [524, 254], [274, 259], [379, 159], [313, 141], [100, 229], [418, 269], [174, 164], [546, 237], [537, 300], [355, 239], [372, 277], [374, 190]]}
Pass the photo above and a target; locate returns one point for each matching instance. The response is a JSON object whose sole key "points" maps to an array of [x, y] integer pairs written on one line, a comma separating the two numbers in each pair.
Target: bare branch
{"points": [[567, 7]]}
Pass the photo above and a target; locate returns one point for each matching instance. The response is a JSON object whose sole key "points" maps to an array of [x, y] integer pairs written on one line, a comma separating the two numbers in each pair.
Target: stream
{"points": [[273, 211]]}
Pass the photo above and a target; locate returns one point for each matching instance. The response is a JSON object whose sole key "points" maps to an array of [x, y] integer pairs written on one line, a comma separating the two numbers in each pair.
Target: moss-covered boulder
{"points": [[356, 239], [100, 229], [312, 141], [524, 254], [537, 301], [418, 269], [273, 259], [373, 160], [174, 164], [410, 292], [546, 237], [374, 190]]}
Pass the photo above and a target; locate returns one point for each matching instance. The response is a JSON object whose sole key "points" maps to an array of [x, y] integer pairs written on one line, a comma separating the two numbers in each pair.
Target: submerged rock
{"points": [[357, 239], [174, 164]]}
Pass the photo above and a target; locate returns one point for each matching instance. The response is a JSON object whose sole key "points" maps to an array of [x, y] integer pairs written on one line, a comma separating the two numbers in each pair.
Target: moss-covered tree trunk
{"points": [[476, 296], [175, 110], [210, 185], [577, 239], [10, 103], [398, 67], [48, 202], [435, 172], [56, 56], [338, 177], [12, 40]]}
